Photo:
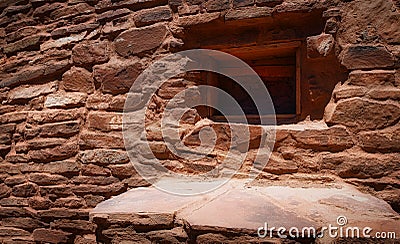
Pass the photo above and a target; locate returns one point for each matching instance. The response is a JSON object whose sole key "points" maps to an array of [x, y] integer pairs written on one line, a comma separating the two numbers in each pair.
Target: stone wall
{"points": [[67, 65]]}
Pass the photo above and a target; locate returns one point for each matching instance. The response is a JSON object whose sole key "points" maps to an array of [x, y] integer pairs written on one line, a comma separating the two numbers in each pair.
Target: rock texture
{"points": [[66, 67], [182, 219]]}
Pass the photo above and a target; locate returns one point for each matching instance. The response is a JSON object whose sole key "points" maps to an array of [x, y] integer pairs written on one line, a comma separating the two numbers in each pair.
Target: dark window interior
{"points": [[278, 70]]}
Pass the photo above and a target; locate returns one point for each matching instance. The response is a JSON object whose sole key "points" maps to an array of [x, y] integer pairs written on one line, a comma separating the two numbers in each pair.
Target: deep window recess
{"points": [[278, 65]]}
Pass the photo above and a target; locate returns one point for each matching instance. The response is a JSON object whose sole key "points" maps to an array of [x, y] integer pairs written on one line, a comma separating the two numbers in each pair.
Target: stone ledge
{"points": [[239, 209]]}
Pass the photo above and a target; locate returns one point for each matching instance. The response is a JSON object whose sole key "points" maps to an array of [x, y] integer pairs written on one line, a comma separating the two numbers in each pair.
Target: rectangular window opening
{"points": [[278, 66]]}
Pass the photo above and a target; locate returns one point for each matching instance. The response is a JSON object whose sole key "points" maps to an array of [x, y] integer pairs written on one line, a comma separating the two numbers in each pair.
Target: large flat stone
{"points": [[138, 40], [240, 207]]}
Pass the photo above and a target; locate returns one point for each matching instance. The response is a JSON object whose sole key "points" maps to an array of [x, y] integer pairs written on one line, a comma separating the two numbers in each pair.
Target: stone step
{"points": [[240, 212]]}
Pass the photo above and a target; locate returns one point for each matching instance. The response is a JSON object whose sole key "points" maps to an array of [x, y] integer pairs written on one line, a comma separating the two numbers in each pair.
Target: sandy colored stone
{"points": [[25, 190], [103, 157], [362, 113], [50, 236], [105, 121], [116, 77], [367, 57], [31, 91], [65, 100], [78, 80], [320, 46], [136, 41], [90, 53], [153, 15]]}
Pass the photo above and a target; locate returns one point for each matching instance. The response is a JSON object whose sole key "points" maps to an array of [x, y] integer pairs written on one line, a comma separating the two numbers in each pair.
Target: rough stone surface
{"points": [[116, 77], [78, 80], [365, 114], [136, 41], [320, 46], [253, 206], [29, 91], [372, 78], [65, 100], [386, 140], [151, 16], [367, 57], [333, 139], [50, 236], [90, 53]]}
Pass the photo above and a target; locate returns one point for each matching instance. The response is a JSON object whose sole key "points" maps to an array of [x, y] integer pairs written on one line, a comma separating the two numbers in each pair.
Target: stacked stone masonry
{"points": [[66, 67]]}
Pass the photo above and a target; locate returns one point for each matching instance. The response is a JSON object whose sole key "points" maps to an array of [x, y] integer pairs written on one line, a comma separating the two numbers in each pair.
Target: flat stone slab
{"points": [[243, 207]]}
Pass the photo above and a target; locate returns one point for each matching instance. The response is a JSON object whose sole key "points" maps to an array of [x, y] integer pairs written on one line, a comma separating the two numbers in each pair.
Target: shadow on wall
{"points": [[303, 43]]}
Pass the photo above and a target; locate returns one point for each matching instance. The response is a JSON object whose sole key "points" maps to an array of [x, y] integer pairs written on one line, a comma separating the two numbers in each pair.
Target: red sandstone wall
{"points": [[66, 67]]}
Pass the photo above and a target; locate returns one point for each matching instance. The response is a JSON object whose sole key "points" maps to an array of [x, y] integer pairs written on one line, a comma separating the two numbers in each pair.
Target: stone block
{"points": [[95, 180], [39, 203], [15, 180], [242, 3], [65, 100], [52, 192], [135, 41], [116, 77], [93, 200], [55, 115], [23, 223], [345, 92], [112, 14], [78, 80], [69, 202], [248, 13], [47, 179], [387, 140], [71, 11], [320, 46], [198, 19], [372, 78], [63, 213], [11, 231], [101, 140], [103, 157], [59, 129], [21, 33], [104, 121], [107, 191], [39, 143], [61, 152], [360, 165], [90, 53], [385, 93], [74, 226], [362, 113], [123, 171], [4, 190], [366, 57], [25, 190], [35, 72], [94, 170], [30, 91], [63, 41], [151, 16], [30, 42], [216, 5], [15, 212], [333, 139], [14, 202], [50, 236]]}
